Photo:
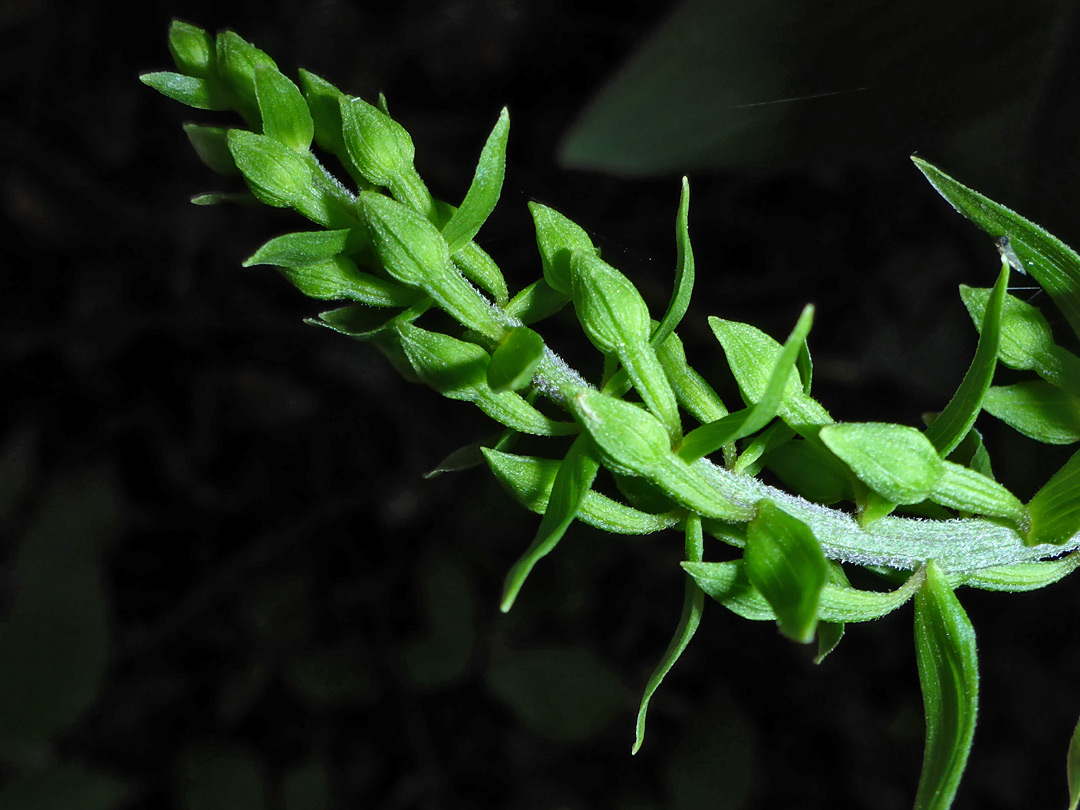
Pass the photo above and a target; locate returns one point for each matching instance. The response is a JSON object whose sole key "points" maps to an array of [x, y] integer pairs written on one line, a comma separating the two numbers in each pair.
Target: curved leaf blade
{"points": [[949, 675]]}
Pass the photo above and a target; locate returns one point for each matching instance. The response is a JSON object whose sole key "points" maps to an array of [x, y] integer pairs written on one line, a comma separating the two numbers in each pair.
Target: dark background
{"points": [[285, 588]]}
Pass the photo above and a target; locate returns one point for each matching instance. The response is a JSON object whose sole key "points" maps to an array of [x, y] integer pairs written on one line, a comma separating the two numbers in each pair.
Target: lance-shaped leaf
{"points": [[202, 94], [537, 301], [829, 634], [574, 478], [413, 251], [457, 369], [558, 238], [631, 441], [1055, 509], [617, 322], [729, 585], [307, 247], [1072, 771], [1049, 260], [339, 279], [1037, 409], [689, 619], [484, 191], [752, 355], [212, 146], [237, 62], [785, 563], [284, 112], [1021, 576], [515, 360], [530, 479], [711, 437], [949, 676], [684, 273], [953, 423]]}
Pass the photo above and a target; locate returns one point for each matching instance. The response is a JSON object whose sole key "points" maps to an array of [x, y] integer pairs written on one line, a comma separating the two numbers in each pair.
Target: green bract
{"points": [[399, 261]]}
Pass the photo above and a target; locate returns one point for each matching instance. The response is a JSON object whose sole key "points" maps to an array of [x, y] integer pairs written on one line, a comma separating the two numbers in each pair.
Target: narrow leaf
{"points": [[190, 90], [285, 115], [711, 437], [484, 191], [948, 673], [212, 146], [1038, 410], [693, 602], [1049, 260], [537, 301], [530, 479], [785, 563], [953, 423], [1055, 509], [691, 389], [574, 479], [684, 273]]}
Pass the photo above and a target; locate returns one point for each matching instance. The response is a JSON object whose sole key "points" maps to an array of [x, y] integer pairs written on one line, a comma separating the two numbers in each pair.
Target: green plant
{"points": [[423, 292]]}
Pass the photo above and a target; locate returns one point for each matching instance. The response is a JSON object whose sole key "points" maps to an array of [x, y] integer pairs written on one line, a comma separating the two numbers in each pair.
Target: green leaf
{"points": [[537, 301], [190, 90], [1055, 509], [693, 602], [574, 478], [212, 146], [1020, 576], [895, 461], [65, 785], [237, 64], [1073, 768], [306, 247], [515, 360], [752, 355], [484, 191], [530, 480], [1049, 260], [1038, 410], [192, 50], [633, 442], [558, 238], [413, 252], [285, 116], [729, 585], [684, 273], [616, 321], [564, 694], [711, 437], [1025, 334], [969, 491], [949, 676], [324, 103], [785, 563], [953, 423]]}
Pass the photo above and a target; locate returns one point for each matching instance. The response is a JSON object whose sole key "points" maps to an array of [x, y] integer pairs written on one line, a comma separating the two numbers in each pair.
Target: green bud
{"points": [[192, 49], [515, 360], [378, 145], [277, 175], [608, 305], [630, 439]]}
